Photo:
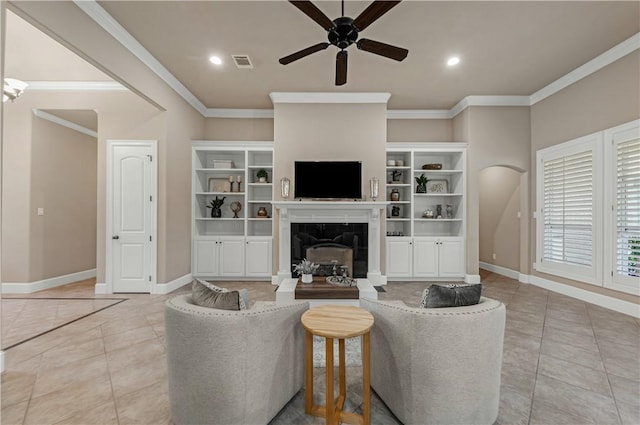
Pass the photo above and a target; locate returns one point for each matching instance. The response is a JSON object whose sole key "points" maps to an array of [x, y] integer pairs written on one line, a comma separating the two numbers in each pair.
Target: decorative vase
{"points": [[284, 187], [307, 278], [439, 211], [216, 213], [374, 185], [422, 188], [395, 195], [262, 212], [262, 179], [449, 211]]}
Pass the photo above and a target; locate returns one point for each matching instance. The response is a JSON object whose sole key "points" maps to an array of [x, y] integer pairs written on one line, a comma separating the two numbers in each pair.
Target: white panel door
{"points": [[231, 256], [258, 257], [132, 218], [425, 257], [399, 256], [451, 257], [205, 258]]}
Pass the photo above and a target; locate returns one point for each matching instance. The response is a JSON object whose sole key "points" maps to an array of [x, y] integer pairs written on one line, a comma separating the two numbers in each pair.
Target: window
{"points": [[624, 198], [588, 197], [567, 199]]}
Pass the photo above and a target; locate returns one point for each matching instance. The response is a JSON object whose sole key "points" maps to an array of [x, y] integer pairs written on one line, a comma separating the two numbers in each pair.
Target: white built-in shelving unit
{"points": [[419, 247]]}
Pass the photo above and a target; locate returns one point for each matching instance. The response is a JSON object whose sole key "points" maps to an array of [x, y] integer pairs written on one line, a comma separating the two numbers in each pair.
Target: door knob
{"points": [[115, 237]]}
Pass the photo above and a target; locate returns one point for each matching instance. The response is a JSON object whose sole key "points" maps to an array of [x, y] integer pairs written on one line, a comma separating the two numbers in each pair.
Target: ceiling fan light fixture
{"points": [[453, 61], [12, 89], [215, 60]]}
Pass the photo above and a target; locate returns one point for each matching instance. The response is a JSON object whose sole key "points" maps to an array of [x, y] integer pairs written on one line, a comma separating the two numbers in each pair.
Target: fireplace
{"points": [[332, 245], [333, 225]]}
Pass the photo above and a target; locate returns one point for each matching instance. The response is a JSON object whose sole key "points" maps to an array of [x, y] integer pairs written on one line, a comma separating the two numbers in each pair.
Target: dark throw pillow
{"points": [[206, 294], [453, 295]]}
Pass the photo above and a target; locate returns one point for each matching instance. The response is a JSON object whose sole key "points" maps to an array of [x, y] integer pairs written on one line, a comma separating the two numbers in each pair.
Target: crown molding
{"points": [[488, 101], [316, 97], [117, 31], [418, 114], [628, 46], [65, 123], [75, 85], [238, 113]]}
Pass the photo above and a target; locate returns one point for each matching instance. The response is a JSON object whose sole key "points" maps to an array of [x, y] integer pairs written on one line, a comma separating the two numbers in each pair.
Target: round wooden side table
{"points": [[337, 322]]}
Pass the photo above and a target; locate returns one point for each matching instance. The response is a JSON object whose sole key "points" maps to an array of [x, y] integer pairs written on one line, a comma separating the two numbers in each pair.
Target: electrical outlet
{"points": [[494, 256], [40, 211]]}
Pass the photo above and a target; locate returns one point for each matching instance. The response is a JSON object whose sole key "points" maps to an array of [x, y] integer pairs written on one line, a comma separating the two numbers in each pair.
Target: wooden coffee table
{"points": [[337, 322]]}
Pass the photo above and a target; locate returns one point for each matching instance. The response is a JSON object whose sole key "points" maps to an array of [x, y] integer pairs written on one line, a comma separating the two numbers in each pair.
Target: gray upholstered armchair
{"points": [[232, 367], [438, 366]]}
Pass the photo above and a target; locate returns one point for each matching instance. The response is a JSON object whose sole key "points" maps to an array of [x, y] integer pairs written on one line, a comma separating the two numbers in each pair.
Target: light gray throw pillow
{"points": [[206, 294]]}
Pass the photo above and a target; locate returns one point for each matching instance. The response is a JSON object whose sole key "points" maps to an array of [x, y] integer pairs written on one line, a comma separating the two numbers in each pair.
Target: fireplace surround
{"points": [[330, 212]]}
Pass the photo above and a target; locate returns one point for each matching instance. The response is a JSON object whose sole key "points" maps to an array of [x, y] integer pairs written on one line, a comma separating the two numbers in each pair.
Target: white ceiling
{"points": [[506, 48]]}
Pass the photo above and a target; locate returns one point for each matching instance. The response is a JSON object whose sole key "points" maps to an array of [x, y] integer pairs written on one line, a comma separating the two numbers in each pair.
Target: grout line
{"points": [[63, 325], [535, 383], [613, 397]]}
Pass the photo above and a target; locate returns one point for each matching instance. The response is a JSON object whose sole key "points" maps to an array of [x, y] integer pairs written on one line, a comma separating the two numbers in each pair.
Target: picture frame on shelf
{"points": [[437, 186], [219, 185]]}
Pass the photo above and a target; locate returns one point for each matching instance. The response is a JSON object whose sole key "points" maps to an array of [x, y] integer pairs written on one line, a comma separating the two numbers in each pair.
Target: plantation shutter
{"points": [[627, 207], [568, 229]]}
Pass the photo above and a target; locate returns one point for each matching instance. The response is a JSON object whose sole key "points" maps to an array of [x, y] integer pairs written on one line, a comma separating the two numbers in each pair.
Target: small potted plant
{"points": [[422, 184], [216, 205], [305, 269], [262, 175]]}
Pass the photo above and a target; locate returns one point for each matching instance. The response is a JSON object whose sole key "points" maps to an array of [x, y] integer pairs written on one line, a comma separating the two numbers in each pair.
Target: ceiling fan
{"points": [[343, 32]]}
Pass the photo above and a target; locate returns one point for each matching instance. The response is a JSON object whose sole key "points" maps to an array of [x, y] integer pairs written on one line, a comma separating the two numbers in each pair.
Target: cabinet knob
{"points": [[115, 237]]}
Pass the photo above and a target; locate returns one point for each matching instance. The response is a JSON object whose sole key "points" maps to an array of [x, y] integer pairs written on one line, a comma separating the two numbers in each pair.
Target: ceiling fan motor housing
{"points": [[343, 34]]}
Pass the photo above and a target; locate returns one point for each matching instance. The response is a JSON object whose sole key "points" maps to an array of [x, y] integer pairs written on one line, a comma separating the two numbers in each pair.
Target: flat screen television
{"points": [[328, 179]]}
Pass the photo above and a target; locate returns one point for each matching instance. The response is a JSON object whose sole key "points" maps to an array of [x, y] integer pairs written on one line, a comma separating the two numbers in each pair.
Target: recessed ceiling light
{"points": [[452, 61], [215, 60]]}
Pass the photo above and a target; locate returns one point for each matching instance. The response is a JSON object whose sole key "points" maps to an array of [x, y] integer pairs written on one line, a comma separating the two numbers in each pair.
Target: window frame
{"points": [[591, 274]]}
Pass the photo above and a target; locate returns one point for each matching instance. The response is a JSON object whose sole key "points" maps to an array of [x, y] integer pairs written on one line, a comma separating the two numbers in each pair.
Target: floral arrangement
{"points": [[305, 267], [217, 203]]}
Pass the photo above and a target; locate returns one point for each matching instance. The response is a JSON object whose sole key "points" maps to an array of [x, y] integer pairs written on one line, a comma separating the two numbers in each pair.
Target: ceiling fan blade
{"points": [[314, 13], [382, 49], [302, 53], [341, 67], [373, 12]]}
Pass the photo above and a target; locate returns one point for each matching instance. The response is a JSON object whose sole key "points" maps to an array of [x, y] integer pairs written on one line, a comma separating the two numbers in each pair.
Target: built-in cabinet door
{"points": [[425, 257], [399, 257], [205, 257], [231, 257], [451, 257], [258, 256]]}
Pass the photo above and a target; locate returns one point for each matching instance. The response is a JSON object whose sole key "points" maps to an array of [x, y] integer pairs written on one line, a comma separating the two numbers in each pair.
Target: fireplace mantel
{"points": [[330, 212]]}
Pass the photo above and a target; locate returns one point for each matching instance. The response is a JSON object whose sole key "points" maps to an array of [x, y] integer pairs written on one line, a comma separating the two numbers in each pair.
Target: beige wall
{"points": [[63, 183], [320, 132], [496, 136], [602, 100], [232, 129], [121, 115], [499, 232], [419, 130], [174, 128]]}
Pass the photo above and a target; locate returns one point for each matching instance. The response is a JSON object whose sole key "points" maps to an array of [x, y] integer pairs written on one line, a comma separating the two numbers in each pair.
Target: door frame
{"points": [[153, 144]]}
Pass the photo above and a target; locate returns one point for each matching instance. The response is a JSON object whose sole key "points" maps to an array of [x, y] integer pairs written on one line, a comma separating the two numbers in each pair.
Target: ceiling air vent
{"points": [[242, 61]]}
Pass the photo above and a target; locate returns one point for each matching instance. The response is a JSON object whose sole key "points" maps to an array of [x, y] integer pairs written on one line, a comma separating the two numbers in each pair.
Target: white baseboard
{"points": [[52, 282], [605, 301], [165, 288], [500, 270], [524, 278], [471, 278], [101, 289], [1, 361]]}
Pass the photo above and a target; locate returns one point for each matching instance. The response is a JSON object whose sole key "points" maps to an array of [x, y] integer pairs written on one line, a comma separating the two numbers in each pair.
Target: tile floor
{"points": [[565, 361]]}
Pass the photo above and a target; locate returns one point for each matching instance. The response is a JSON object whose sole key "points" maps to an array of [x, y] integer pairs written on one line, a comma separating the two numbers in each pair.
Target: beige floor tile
{"points": [[68, 401], [125, 339], [574, 374], [13, 414], [576, 327], [629, 413], [596, 408], [134, 354], [77, 373], [546, 414], [149, 405], [625, 390], [514, 408], [139, 375], [580, 340], [573, 354], [72, 352], [99, 415]]}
